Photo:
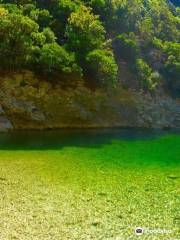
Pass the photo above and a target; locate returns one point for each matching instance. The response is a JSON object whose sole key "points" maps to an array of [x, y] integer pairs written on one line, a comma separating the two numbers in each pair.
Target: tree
{"points": [[106, 9], [84, 33], [42, 17], [148, 78], [55, 59], [126, 47], [102, 67], [146, 29], [17, 36], [171, 63], [30, 27], [60, 10], [49, 34]]}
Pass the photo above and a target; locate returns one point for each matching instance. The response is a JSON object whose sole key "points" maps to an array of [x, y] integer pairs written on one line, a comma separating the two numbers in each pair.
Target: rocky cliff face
{"points": [[29, 103], [5, 123], [158, 112]]}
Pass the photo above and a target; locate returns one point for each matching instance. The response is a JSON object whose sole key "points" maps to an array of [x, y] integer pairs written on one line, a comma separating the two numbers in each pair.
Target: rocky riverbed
{"points": [[89, 186]]}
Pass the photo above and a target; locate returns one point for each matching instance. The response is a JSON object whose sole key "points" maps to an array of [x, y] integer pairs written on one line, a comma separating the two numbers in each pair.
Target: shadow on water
{"points": [[57, 139]]}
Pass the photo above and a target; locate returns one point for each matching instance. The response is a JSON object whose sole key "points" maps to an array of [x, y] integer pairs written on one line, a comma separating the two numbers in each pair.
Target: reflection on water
{"points": [[55, 139]]}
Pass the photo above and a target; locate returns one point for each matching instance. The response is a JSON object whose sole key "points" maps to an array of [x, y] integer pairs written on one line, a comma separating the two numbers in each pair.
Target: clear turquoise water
{"points": [[90, 184]]}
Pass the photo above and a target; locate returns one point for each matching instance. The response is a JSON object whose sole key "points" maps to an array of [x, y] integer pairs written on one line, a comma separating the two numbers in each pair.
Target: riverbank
{"points": [[27, 102]]}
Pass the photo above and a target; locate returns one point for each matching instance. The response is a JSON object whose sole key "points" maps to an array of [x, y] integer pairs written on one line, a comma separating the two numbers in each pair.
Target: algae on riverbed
{"points": [[97, 187]]}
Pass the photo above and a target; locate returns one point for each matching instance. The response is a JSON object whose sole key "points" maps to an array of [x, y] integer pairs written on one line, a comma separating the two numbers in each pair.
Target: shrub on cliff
{"points": [[102, 67], [55, 59], [81, 27], [127, 47], [148, 78]]}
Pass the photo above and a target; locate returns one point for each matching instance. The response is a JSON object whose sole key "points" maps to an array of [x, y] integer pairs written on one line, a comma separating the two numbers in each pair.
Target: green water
{"points": [[93, 184]]}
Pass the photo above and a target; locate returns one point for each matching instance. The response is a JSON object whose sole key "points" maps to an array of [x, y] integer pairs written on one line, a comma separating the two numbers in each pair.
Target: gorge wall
{"points": [[28, 103]]}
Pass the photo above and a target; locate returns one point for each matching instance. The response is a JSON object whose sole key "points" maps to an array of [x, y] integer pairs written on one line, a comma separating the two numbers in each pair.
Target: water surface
{"points": [[90, 184]]}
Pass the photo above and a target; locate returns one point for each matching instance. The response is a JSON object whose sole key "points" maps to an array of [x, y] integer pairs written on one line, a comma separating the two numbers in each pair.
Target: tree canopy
{"points": [[90, 37]]}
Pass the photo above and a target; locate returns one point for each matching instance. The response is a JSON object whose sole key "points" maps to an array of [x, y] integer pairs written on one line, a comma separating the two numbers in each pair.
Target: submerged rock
{"points": [[173, 177]]}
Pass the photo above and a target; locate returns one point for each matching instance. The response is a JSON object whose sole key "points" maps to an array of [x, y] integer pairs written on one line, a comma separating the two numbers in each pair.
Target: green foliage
{"points": [[18, 33], [171, 53], [146, 29], [42, 17], [12, 8], [127, 47], [105, 9], [61, 10], [75, 33], [148, 78], [55, 59], [171, 62], [84, 32], [28, 8], [49, 34], [102, 67]]}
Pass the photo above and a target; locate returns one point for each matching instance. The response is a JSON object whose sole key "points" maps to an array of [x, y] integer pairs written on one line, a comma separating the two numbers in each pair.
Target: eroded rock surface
{"points": [[5, 123], [39, 105], [158, 112]]}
